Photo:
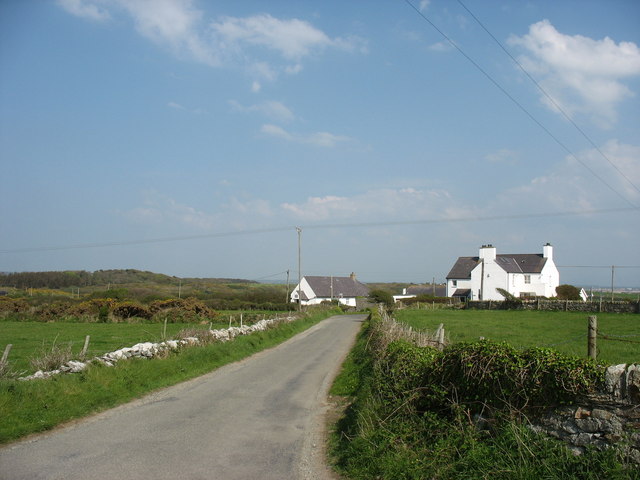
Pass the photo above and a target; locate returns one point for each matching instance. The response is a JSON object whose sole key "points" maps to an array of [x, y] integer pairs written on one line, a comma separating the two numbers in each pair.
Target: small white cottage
{"points": [[522, 275], [313, 290]]}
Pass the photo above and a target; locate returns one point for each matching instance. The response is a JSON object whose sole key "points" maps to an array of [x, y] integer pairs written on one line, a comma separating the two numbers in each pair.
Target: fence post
{"points": [[440, 336], [592, 335], [5, 355], [86, 346]]}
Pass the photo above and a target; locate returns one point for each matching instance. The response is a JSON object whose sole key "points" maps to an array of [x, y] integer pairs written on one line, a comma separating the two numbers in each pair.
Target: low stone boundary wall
{"points": [[609, 418], [150, 350], [560, 306]]}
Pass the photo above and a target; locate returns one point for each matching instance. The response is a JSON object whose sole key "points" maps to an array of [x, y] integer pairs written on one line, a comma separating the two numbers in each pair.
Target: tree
{"points": [[567, 292], [382, 296]]}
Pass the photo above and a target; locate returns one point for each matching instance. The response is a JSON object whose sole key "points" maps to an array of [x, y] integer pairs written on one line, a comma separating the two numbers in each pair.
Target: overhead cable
{"points": [[518, 104]]}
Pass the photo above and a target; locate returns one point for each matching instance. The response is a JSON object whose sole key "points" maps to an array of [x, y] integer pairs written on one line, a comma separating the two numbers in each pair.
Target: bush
{"points": [[130, 310], [381, 296], [568, 292]]}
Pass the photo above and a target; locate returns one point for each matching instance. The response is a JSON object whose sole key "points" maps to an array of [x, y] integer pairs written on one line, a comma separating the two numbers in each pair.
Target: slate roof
{"points": [[342, 286], [463, 266], [510, 263]]}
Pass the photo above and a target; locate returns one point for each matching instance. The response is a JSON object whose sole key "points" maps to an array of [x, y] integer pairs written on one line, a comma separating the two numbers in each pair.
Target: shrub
{"points": [[568, 292], [130, 310], [382, 296], [53, 358]]}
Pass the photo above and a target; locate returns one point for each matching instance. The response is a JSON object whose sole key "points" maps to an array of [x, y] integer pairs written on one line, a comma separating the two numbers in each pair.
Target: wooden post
{"points": [[591, 337], [86, 346], [164, 329], [5, 355], [240, 319]]}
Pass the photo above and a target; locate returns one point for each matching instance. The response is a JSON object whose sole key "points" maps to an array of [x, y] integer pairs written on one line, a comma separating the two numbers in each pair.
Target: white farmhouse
{"points": [[522, 275], [314, 290]]}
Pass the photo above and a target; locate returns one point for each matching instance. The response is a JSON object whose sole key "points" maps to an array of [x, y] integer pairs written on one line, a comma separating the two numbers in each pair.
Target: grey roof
{"points": [[510, 263], [342, 286], [462, 292], [463, 266]]}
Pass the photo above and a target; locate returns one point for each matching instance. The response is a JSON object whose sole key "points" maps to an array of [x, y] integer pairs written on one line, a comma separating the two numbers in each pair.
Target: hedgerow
{"points": [[414, 412]]}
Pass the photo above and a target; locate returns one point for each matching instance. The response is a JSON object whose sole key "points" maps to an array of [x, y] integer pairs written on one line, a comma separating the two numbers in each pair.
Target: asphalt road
{"points": [[261, 418]]}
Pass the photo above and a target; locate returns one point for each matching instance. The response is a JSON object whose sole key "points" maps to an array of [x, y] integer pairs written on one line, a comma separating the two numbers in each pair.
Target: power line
{"points": [[318, 227], [549, 97], [518, 104]]}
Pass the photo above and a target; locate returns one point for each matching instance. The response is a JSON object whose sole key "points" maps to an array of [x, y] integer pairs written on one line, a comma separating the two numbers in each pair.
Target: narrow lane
{"points": [[257, 418]]}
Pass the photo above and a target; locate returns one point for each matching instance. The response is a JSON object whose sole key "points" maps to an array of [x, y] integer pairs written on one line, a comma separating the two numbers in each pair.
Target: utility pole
{"points": [[287, 299], [613, 268], [299, 230]]}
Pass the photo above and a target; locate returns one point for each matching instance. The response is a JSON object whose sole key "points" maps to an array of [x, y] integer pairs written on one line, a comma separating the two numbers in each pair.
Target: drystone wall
{"points": [[606, 419], [559, 306], [150, 349]]}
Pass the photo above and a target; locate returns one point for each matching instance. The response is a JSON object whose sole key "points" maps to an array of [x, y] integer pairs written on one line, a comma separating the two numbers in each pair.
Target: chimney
{"points": [[353, 276], [487, 252], [547, 251]]}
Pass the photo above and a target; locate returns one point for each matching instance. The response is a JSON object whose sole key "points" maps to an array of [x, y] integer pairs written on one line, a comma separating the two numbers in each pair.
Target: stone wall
{"points": [[608, 418], [561, 306]]}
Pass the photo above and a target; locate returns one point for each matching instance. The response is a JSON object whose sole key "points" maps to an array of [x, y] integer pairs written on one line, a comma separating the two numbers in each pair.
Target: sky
{"points": [[192, 137]]}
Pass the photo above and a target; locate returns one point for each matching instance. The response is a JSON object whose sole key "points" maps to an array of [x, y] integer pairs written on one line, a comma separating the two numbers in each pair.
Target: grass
{"points": [[30, 339], [35, 406], [565, 332], [378, 437]]}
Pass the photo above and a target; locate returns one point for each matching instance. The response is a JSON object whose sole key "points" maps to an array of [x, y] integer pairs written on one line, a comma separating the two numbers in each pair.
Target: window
{"points": [[454, 283], [527, 279]]}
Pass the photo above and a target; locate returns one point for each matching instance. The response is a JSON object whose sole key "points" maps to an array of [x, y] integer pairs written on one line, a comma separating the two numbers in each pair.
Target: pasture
{"points": [[31, 339], [565, 332]]}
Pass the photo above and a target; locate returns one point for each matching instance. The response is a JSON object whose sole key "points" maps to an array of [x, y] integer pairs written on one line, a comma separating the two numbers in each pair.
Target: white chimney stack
{"points": [[487, 252], [547, 251]]}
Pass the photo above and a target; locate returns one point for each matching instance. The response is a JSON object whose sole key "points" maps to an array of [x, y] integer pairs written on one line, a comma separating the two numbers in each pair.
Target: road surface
{"points": [[258, 418]]}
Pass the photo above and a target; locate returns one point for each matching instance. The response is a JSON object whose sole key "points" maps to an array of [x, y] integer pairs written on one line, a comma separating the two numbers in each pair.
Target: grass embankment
{"points": [[405, 422], [35, 406], [565, 332]]}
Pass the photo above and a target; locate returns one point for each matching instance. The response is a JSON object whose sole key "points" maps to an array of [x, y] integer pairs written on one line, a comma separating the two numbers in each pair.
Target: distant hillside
{"points": [[81, 278]]}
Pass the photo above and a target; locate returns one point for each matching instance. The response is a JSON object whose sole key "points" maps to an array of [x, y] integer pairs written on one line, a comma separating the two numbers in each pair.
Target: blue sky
{"points": [[234, 122]]}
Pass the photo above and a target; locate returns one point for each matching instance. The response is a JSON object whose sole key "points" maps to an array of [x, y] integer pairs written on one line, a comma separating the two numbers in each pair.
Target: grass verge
{"points": [[382, 436], [36, 406]]}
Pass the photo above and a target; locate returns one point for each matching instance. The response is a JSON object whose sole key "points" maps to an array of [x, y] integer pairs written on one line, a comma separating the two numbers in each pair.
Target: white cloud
{"points": [[570, 186], [403, 204], [256, 87], [272, 109], [161, 209], [504, 156], [85, 9], [265, 45], [175, 105], [318, 139], [424, 4], [581, 74]]}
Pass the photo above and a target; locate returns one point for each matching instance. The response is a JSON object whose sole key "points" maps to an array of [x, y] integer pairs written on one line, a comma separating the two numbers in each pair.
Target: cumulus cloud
{"points": [[272, 109], [159, 209], [571, 186], [267, 46], [402, 204], [318, 139], [504, 156], [85, 9], [583, 75]]}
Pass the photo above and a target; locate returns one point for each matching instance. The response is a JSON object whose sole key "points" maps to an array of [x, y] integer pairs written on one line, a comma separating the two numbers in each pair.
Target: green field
{"points": [[562, 331], [29, 339]]}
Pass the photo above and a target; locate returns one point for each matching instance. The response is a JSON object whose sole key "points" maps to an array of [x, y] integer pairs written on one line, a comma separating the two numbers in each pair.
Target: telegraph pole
{"points": [[299, 230], [287, 299]]}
